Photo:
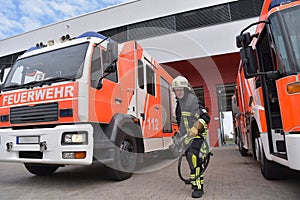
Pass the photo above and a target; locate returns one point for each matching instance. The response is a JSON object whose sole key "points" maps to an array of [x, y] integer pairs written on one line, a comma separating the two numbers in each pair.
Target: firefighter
{"points": [[192, 119]]}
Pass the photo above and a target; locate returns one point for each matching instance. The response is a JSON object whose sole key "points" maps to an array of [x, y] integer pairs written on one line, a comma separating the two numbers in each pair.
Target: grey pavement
{"points": [[229, 176]]}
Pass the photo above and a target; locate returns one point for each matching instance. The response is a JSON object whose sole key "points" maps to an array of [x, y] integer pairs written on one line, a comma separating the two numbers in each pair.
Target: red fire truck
{"points": [[84, 100], [268, 89]]}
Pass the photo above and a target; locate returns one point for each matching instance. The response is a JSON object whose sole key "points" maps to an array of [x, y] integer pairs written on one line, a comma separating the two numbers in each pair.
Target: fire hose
{"points": [[204, 158]]}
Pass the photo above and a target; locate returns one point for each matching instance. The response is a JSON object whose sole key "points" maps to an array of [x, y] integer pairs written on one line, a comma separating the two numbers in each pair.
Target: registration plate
{"points": [[28, 140]]}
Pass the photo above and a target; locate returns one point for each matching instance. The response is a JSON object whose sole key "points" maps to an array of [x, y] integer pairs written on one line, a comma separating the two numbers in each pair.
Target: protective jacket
{"points": [[189, 109]]}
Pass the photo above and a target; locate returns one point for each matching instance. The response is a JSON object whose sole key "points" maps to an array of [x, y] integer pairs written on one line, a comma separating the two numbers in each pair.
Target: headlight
{"points": [[74, 155], [74, 138]]}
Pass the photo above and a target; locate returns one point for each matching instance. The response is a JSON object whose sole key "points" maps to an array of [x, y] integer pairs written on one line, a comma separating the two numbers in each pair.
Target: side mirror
{"points": [[249, 62], [110, 68], [244, 39]]}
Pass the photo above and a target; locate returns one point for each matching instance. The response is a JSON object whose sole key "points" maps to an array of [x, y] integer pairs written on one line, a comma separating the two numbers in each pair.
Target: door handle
{"points": [[143, 116], [117, 100]]}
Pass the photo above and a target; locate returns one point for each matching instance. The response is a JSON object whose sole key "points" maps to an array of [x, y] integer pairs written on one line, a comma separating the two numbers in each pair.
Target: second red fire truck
{"points": [[268, 89]]}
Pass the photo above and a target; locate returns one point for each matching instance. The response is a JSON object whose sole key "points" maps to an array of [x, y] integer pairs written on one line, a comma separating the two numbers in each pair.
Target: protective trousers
{"points": [[192, 156]]}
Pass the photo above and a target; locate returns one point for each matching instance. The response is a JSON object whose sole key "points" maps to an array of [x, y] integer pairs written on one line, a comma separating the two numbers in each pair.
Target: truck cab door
{"points": [[141, 91], [153, 109], [105, 101], [268, 63], [149, 108]]}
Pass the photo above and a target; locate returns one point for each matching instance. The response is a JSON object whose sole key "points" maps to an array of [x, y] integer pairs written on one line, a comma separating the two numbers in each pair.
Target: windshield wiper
{"points": [[57, 79], [47, 81], [32, 84], [12, 86]]}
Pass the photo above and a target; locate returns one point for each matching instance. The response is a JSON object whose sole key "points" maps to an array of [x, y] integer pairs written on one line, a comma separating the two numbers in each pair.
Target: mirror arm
{"points": [[269, 73], [253, 24], [99, 85]]}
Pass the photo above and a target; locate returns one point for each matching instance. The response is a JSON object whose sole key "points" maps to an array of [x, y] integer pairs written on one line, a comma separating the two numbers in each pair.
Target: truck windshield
{"points": [[53, 66], [286, 33]]}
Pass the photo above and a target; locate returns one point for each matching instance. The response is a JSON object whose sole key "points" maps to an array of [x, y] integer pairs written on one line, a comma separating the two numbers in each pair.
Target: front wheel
{"points": [[125, 157], [271, 170], [41, 169]]}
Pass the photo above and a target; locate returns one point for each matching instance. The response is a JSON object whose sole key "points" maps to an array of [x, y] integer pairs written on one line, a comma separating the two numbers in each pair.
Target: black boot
{"points": [[197, 193]]}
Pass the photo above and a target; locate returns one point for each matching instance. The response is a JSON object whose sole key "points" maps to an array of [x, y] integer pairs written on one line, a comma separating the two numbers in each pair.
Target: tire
{"points": [[41, 169], [125, 157], [257, 149], [236, 131], [256, 144], [271, 170], [243, 151]]}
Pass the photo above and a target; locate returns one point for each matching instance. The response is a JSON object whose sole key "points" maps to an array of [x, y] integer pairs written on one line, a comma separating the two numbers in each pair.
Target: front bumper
{"points": [[293, 150], [48, 149]]}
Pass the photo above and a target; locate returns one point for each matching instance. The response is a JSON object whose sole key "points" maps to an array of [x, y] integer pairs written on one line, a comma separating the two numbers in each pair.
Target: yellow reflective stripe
{"points": [[197, 115], [186, 124], [192, 176], [187, 140], [198, 181], [202, 122], [186, 114], [202, 179], [204, 151], [204, 134], [194, 160]]}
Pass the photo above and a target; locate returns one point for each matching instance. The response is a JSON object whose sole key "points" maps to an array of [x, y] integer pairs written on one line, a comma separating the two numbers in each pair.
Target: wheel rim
{"points": [[126, 153], [257, 149]]}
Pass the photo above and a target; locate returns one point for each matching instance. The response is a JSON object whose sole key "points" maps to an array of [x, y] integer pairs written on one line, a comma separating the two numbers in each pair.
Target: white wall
{"points": [[123, 14], [202, 42]]}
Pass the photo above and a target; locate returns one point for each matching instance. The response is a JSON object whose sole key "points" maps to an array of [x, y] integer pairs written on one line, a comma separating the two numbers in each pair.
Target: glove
{"points": [[198, 125], [193, 132]]}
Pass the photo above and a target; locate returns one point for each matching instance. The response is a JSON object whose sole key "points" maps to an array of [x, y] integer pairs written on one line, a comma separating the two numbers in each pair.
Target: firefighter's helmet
{"points": [[180, 82]]}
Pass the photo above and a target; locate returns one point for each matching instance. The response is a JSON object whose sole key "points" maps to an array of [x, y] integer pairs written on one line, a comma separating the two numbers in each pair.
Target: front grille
{"points": [[37, 113]]}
